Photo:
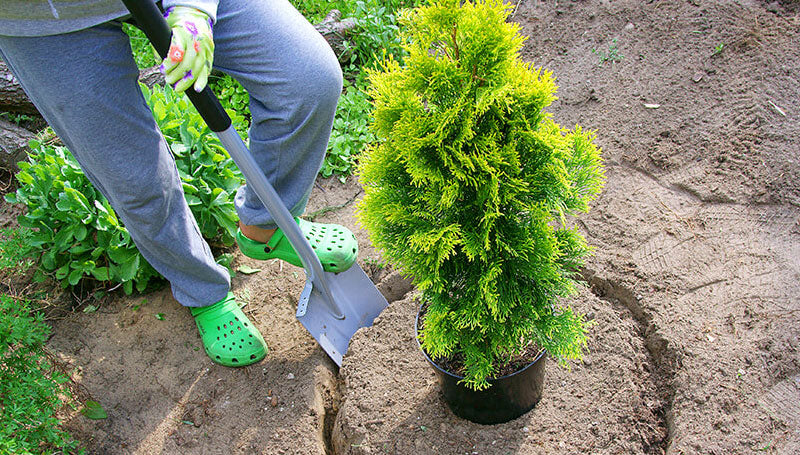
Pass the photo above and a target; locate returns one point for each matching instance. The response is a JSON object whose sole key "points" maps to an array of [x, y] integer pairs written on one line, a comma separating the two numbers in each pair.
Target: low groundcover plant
{"points": [[470, 187], [32, 391]]}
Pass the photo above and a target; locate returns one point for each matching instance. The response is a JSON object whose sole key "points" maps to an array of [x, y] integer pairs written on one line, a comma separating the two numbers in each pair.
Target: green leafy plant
{"points": [[316, 10], [31, 390], [470, 186], [209, 175], [19, 119], [231, 94], [75, 234], [350, 133], [612, 55], [376, 35]]}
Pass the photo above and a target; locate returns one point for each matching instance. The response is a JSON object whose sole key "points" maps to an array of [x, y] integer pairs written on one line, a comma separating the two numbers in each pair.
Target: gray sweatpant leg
{"points": [[85, 85]]}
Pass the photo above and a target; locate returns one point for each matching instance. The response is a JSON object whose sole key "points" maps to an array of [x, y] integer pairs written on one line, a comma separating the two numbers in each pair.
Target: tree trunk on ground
{"points": [[335, 30], [14, 99], [151, 76], [13, 145]]}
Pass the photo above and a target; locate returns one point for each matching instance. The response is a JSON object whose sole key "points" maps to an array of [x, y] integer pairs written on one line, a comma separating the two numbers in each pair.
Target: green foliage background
{"points": [[73, 235], [470, 184], [351, 131], [72, 229]]}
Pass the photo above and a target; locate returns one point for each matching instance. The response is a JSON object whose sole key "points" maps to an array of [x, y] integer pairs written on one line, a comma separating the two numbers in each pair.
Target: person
{"points": [[74, 61]]}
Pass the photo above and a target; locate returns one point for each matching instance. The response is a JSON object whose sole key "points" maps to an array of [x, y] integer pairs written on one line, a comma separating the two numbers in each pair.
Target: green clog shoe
{"points": [[229, 338], [335, 245]]}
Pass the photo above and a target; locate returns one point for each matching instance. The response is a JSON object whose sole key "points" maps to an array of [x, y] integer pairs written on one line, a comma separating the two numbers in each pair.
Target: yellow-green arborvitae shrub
{"points": [[471, 185]]}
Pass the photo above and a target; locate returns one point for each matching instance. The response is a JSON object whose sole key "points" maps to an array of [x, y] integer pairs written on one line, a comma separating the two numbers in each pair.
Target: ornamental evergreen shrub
{"points": [[470, 186]]}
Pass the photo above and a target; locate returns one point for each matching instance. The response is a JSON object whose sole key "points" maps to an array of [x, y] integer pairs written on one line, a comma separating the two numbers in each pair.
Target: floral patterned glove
{"points": [[191, 52]]}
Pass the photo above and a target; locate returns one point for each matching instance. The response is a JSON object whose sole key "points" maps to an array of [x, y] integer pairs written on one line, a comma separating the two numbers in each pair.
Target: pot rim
{"points": [[416, 338]]}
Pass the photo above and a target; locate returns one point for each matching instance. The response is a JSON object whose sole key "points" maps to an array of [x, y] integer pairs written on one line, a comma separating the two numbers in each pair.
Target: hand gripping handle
{"points": [[150, 19]]}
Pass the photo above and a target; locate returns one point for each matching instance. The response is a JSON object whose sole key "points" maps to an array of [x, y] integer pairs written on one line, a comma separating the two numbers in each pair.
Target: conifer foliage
{"points": [[471, 185]]}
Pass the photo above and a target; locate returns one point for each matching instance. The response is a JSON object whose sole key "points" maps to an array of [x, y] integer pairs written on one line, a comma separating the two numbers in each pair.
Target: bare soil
{"points": [[693, 288]]}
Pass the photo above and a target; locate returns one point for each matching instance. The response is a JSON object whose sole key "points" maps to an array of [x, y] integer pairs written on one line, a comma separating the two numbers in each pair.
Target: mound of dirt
{"points": [[392, 402]]}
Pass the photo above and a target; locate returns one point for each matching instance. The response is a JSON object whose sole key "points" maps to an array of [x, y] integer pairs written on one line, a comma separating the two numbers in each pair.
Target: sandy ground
{"points": [[694, 286]]}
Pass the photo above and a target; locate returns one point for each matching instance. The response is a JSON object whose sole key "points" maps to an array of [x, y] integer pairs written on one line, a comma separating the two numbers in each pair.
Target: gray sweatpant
{"points": [[85, 85]]}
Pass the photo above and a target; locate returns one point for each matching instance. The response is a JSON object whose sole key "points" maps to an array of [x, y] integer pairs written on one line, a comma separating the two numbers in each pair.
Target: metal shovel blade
{"points": [[332, 306], [357, 298]]}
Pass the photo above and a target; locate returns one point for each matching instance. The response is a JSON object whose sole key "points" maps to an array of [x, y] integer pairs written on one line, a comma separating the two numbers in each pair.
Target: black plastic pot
{"points": [[508, 397]]}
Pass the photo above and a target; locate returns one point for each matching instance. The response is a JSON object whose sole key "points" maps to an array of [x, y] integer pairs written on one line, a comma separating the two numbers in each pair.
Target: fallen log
{"points": [[335, 30], [13, 99], [151, 76], [13, 145]]}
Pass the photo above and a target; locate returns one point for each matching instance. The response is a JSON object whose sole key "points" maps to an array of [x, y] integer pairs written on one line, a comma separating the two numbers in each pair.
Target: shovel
{"points": [[332, 306]]}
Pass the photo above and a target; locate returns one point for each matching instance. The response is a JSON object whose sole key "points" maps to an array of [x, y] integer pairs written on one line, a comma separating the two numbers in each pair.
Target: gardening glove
{"points": [[191, 51]]}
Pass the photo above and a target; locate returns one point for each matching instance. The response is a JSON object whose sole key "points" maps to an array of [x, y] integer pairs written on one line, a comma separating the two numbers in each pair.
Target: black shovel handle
{"points": [[150, 19]]}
